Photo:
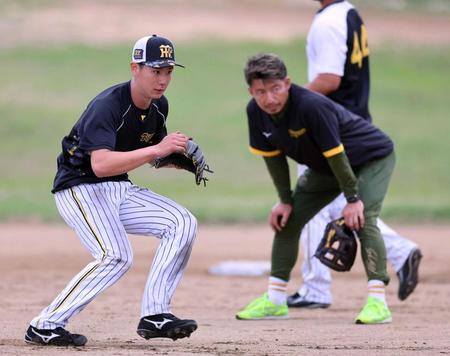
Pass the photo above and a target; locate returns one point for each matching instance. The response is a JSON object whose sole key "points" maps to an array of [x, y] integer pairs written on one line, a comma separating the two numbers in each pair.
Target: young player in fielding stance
{"points": [[122, 128]]}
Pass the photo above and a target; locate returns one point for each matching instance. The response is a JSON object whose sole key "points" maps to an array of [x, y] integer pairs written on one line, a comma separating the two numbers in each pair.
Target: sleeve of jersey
{"points": [[330, 47], [99, 129], [259, 145], [324, 125], [279, 171]]}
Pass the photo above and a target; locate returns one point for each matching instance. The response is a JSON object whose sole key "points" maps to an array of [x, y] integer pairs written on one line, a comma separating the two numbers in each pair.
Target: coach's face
{"points": [[151, 82], [271, 95]]}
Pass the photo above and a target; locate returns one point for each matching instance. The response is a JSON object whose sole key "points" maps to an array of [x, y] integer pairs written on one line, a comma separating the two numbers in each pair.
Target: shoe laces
{"points": [[64, 333], [375, 306]]}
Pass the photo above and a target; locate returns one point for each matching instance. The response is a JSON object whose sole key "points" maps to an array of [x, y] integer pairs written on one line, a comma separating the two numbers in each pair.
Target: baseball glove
{"points": [[338, 247], [193, 161]]}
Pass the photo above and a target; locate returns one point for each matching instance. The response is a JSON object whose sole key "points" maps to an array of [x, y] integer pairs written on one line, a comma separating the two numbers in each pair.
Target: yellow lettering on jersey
{"points": [[296, 133], [360, 47], [146, 137], [334, 151], [364, 42], [264, 153], [356, 57]]}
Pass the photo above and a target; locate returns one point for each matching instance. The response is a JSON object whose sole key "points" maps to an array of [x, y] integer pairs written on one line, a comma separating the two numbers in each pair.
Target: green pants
{"points": [[313, 192]]}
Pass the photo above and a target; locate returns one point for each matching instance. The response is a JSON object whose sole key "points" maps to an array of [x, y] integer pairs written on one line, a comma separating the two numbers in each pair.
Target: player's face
{"points": [[271, 95], [152, 82]]}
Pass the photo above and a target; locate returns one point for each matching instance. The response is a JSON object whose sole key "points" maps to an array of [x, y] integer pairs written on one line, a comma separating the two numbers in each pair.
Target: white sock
{"points": [[277, 291], [377, 290]]}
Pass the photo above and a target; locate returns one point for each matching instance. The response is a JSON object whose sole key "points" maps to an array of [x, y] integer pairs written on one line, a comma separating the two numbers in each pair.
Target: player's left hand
{"points": [[192, 160], [279, 216], [353, 214], [194, 152]]}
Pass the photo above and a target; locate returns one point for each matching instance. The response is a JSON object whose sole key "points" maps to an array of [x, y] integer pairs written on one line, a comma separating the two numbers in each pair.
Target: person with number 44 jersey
{"points": [[338, 67]]}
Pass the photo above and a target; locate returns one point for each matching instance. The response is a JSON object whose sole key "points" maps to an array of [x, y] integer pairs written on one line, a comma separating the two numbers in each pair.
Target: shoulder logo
{"points": [[296, 133], [267, 134], [146, 137]]}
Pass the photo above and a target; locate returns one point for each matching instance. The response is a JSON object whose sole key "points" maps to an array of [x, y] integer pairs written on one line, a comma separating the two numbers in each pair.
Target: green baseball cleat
{"points": [[374, 312], [262, 309]]}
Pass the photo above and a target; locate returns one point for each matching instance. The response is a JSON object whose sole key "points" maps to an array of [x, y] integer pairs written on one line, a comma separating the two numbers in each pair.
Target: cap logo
{"points": [[138, 53], [166, 51]]}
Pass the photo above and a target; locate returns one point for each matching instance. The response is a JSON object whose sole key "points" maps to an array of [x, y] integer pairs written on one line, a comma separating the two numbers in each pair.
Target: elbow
{"points": [[99, 163], [99, 168], [334, 86], [326, 83], [333, 83], [99, 171]]}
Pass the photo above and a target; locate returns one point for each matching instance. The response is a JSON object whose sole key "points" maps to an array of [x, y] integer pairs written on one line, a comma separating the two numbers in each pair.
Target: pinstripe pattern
{"points": [[316, 276], [102, 215]]}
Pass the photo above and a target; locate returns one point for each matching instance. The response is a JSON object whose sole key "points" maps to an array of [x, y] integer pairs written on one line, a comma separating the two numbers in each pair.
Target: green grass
{"points": [[441, 7], [43, 93]]}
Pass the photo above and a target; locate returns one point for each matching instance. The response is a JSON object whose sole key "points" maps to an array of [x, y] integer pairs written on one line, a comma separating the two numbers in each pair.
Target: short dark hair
{"points": [[264, 66]]}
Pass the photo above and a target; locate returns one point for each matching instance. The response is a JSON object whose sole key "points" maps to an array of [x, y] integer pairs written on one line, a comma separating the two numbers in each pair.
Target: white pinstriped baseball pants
{"points": [[102, 215]]}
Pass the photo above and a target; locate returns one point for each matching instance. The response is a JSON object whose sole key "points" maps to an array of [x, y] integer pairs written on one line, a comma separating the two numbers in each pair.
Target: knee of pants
{"points": [[122, 262], [186, 223], [370, 229], [192, 221]]}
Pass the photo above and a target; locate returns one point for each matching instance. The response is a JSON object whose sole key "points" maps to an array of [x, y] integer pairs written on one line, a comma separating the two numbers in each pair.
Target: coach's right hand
{"points": [[279, 216], [353, 214]]}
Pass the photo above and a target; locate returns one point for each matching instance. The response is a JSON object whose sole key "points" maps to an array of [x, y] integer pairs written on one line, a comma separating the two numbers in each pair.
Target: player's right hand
{"points": [[173, 143], [279, 216]]}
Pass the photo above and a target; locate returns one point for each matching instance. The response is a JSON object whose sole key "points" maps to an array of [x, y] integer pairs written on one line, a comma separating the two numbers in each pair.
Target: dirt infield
{"points": [[36, 260], [105, 22]]}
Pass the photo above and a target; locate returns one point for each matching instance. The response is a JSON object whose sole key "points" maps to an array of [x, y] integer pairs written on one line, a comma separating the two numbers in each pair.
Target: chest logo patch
{"points": [[146, 137], [143, 117], [296, 133]]}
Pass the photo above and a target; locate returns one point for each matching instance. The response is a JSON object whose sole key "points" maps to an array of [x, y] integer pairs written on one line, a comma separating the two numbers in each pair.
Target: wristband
{"points": [[352, 198]]}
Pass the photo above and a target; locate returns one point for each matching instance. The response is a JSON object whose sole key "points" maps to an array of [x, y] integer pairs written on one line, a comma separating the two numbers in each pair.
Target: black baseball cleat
{"points": [[408, 276], [165, 325], [298, 301], [55, 337]]}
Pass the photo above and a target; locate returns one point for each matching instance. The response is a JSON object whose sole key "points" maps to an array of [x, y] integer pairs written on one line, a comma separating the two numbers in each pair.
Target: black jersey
{"points": [[314, 128], [110, 121], [337, 44]]}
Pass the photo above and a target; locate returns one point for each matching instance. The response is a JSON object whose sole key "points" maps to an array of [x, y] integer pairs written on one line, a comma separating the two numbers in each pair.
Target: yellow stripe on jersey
{"points": [[334, 151], [264, 153]]}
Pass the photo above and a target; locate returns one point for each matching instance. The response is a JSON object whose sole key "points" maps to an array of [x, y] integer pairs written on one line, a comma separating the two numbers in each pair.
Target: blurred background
{"points": [[55, 56]]}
